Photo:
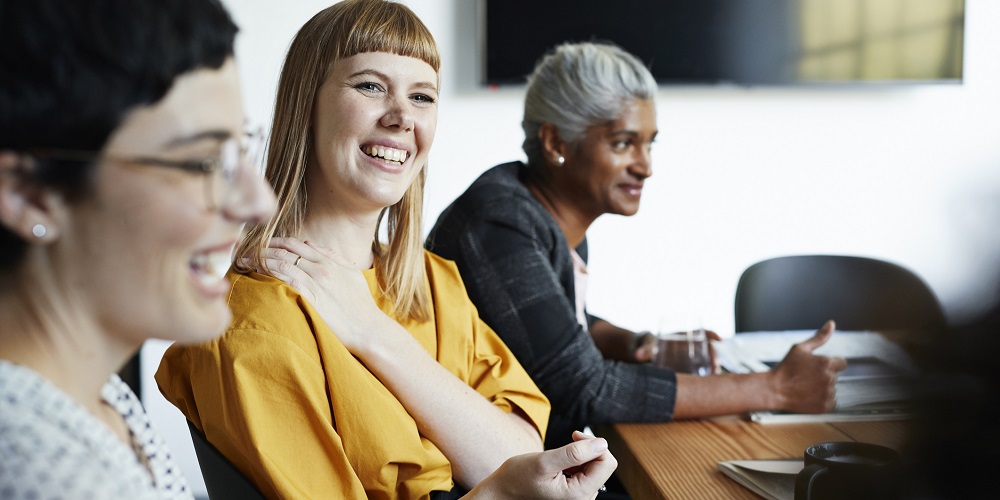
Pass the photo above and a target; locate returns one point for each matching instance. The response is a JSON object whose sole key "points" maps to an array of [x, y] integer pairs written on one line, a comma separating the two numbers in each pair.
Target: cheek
{"points": [[426, 127], [155, 238]]}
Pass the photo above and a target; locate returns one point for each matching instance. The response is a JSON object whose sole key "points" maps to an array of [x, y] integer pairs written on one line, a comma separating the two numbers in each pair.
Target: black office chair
{"points": [[803, 291], [223, 480]]}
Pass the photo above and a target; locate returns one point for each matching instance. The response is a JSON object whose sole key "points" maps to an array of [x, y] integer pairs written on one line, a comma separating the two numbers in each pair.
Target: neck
{"points": [[572, 220], [347, 233], [49, 328]]}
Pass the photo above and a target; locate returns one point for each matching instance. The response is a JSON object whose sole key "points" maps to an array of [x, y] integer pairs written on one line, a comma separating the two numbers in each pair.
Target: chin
{"points": [[627, 211]]}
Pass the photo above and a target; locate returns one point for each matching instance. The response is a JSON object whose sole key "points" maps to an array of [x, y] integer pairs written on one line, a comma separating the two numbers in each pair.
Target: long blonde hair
{"points": [[343, 30]]}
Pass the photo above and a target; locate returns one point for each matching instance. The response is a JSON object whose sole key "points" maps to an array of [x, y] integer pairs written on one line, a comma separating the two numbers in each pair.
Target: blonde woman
{"points": [[354, 367]]}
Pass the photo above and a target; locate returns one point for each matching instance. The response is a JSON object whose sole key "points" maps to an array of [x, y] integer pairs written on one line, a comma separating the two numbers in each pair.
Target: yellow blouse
{"points": [[283, 399]]}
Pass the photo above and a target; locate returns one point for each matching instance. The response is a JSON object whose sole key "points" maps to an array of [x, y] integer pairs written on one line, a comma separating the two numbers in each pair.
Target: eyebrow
{"points": [[632, 133], [214, 135], [420, 85]]}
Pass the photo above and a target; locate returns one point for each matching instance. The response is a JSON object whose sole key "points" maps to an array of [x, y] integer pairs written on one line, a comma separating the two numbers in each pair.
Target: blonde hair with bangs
{"points": [[343, 30]]}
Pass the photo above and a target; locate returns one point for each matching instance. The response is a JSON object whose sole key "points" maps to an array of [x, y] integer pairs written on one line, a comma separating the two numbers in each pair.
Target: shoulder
{"points": [[49, 445], [496, 198], [441, 272], [499, 187], [263, 303], [267, 314], [497, 193]]}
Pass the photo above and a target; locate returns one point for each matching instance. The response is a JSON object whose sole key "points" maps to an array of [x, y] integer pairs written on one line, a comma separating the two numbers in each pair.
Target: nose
{"points": [[398, 114], [642, 167], [254, 200]]}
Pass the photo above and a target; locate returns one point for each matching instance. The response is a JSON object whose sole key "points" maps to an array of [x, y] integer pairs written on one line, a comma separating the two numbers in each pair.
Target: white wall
{"points": [[906, 174]]}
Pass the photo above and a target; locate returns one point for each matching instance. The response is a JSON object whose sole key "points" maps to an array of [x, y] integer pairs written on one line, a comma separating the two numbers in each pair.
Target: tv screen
{"points": [[743, 42]]}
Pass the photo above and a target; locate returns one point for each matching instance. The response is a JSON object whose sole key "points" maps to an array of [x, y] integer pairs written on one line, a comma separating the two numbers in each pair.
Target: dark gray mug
{"points": [[851, 470]]}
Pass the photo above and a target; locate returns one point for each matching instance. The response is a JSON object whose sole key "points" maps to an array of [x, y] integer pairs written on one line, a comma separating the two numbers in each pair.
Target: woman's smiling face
{"points": [[374, 120], [146, 240], [605, 173]]}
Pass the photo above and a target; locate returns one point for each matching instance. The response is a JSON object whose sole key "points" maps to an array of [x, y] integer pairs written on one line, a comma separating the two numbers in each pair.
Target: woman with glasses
{"points": [[123, 188], [354, 366]]}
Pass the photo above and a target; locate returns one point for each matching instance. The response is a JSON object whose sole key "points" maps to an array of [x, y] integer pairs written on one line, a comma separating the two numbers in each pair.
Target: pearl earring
{"points": [[560, 160], [38, 230]]}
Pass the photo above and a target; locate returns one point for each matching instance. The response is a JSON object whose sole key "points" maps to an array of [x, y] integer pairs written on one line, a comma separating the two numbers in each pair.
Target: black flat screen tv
{"points": [[741, 42]]}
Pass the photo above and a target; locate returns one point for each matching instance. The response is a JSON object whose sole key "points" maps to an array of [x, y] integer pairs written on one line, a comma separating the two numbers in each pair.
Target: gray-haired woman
{"points": [[518, 235]]}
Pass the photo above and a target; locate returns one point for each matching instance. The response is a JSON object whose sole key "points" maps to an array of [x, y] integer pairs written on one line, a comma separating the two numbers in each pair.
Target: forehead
{"points": [[638, 115], [200, 100]]}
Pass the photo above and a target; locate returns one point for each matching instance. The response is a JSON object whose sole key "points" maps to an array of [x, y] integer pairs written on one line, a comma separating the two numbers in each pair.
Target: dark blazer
{"points": [[518, 270]]}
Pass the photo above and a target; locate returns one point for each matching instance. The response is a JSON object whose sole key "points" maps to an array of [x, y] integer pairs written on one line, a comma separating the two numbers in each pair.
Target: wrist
{"points": [[374, 334], [773, 399]]}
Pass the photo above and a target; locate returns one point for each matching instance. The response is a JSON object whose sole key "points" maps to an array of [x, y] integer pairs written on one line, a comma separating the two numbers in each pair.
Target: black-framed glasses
{"points": [[222, 172]]}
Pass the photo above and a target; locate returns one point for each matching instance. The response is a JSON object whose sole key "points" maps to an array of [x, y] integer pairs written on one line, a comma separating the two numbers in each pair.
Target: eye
{"points": [[423, 99], [621, 145], [369, 87]]}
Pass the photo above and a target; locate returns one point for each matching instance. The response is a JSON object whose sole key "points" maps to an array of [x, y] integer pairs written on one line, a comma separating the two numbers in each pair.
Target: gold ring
{"points": [[297, 259]]}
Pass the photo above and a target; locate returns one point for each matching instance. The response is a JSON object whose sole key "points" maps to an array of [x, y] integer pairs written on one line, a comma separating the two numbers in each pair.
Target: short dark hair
{"points": [[70, 71]]}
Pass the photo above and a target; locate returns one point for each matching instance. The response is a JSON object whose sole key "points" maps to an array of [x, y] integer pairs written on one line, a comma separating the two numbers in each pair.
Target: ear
{"points": [[27, 209], [553, 147]]}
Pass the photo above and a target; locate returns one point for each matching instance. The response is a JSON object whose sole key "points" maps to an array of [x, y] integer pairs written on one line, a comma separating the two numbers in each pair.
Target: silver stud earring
{"points": [[560, 160], [38, 230]]}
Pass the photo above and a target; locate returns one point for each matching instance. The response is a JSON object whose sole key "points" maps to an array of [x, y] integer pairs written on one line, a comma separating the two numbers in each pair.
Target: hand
{"points": [[645, 346], [339, 293], [577, 470], [804, 382]]}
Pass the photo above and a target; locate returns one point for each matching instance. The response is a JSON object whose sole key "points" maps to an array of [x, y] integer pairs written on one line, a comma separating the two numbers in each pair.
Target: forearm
{"points": [[614, 342], [475, 435], [724, 394]]}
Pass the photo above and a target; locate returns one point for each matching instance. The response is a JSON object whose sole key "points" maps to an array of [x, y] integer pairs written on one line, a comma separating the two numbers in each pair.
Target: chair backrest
{"points": [[801, 292], [222, 480]]}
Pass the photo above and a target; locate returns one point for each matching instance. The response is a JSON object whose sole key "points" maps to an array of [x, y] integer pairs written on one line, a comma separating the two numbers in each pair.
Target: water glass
{"points": [[684, 352]]}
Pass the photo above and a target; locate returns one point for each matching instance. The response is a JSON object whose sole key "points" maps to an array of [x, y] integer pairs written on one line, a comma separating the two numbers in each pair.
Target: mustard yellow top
{"points": [[283, 399]]}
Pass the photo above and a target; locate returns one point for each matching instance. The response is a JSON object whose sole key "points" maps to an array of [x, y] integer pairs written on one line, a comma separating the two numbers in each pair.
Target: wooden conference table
{"points": [[678, 459]]}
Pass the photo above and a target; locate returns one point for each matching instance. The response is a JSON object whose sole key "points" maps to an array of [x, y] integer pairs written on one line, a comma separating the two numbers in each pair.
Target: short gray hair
{"points": [[577, 86]]}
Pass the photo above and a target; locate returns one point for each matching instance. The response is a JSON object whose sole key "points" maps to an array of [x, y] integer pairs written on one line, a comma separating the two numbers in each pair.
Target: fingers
{"points": [[296, 247], [592, 476], [281, 262], [583, 450], [837, 363], [644, 354], [821, 337]]}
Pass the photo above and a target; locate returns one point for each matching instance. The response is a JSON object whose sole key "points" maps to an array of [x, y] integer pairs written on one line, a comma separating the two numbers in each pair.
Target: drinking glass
{"points": [[683, 352]]}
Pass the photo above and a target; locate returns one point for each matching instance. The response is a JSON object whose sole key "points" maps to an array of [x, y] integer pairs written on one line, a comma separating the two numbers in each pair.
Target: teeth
{"points": [[211, 267], [390, 154]]}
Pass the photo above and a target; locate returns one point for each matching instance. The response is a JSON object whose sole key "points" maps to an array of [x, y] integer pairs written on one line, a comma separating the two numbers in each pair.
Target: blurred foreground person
{"points": [[123, 188]]}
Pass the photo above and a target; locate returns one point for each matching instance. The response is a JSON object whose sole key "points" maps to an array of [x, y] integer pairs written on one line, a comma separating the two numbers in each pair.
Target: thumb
{"points": [[821, 337], [573, 455]]}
